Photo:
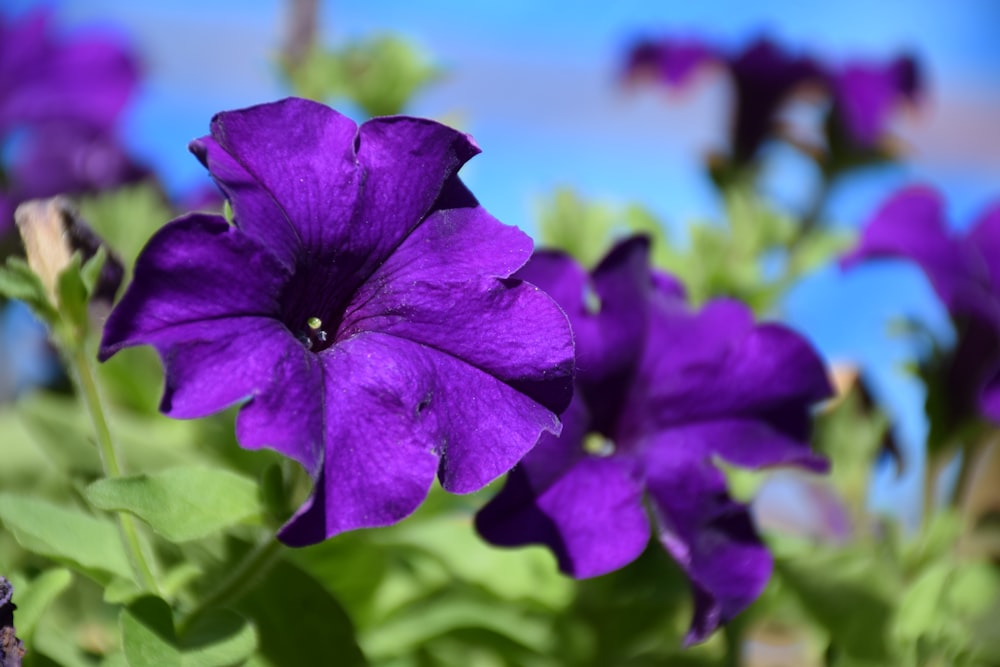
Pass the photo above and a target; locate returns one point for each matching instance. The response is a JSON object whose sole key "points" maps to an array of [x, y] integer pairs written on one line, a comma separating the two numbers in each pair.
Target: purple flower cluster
{"points": [[360, 307], [662, 392], [964, 270], [380, 328], [59, 103], [765, 77]]}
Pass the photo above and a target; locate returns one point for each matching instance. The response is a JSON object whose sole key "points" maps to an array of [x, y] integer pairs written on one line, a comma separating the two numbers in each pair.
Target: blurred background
{"points": [[538, 85]]}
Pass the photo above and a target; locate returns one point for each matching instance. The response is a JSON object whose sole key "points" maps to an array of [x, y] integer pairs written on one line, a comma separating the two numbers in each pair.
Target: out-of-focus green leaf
{"points": [[949, 613], [87, 543], [35, 596], [181, 503], [380, 74], [73, 298], [218, 638], [125, 218], [850, 593], [299, 622], [583, 229], [148, 636], [528, 573], [18, 281]]}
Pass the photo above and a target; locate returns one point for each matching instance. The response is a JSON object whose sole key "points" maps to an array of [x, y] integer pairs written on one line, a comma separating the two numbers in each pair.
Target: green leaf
{"points": [[87, 543], [218, 638], [148, 636], [35, 596], [73, 297], [18, 281], [91, 270], [299, 622], [181, 503], [849, 593]]}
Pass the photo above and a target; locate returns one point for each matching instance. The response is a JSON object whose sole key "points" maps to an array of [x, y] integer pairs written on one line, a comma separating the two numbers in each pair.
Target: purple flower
{"points": [[59, 103], [964, 270], [86, 80], [763, 77], [360, 308], [866, 94], [661, 392]]}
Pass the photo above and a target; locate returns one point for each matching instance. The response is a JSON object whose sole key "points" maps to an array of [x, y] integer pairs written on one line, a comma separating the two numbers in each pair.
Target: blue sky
{"points": [[534, 83]]}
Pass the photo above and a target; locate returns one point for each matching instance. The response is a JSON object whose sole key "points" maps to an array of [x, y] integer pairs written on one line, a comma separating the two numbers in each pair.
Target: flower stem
{"points": [[241, 579], [109, 460]]}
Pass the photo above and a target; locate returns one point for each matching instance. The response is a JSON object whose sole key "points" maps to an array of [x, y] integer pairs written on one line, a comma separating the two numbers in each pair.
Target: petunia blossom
{"points": [[766, 76], [60, 101], [763, 75], [964, 270], [360, 308], [662, 392], [865, 94]]}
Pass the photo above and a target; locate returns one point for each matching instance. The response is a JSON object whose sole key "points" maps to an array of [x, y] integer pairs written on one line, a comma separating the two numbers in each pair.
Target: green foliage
{"points": [[35, 596], [755, 256], [217, 639], [87, 543], [299, 622], [126, 217], [379, 74], [18, 281], [180, 504]]}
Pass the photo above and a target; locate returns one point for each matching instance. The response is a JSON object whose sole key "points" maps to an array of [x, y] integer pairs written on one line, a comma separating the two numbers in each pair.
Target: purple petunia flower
{"points": [[763, 77], [866, 94], [661, 392], [359, 306], [59, 103], [964, 270], [86, 80]]}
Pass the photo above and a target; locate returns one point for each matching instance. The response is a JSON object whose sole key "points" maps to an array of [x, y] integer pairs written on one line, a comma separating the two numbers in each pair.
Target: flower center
{"points": [[596, 444], [314, 337]]}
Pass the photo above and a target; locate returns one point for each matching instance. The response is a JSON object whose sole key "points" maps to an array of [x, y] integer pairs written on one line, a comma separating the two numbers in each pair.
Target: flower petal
{"points": [[609, 326], [81, 80], [587, 510], [437, 290], [910, 225], [345, 196], [711, 537], [396, 413], [715, 363], [747, 443], [867, 93], [195, 270]]}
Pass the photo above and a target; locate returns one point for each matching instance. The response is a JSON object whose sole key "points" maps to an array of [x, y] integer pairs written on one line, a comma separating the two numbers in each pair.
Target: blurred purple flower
{"points": [[964, 270], [763, 77], [360, 307], [60, 100], [866, 94], [661, 392]]}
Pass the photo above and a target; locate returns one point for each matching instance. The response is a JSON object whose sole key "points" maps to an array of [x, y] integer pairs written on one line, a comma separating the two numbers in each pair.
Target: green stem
{"points": [[109, 460], [240, 580]]}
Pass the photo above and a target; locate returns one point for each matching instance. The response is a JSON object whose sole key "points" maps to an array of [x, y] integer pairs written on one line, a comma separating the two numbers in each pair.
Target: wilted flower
{"points": [[662, 391], [61, 99], [964, 270], [11, 648], [360, 307]]}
